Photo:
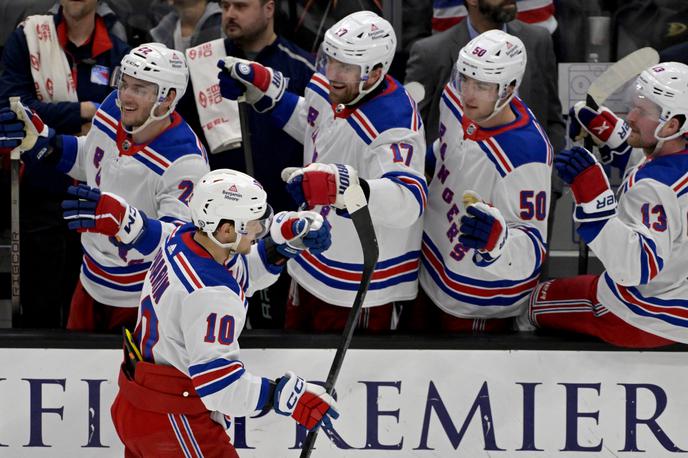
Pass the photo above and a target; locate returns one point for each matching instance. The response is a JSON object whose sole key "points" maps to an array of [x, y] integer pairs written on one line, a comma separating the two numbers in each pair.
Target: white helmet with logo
{"points": [[157, 64], [363, 39], [666, 85], [493, 57], [226, 194]]}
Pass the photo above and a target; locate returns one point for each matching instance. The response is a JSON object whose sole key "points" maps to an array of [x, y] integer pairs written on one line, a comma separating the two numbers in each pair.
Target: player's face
{"points": [[477, 97], [78, 9], [344, 80], [245, 20], [643, 118], [136, 98], [499, 11]]}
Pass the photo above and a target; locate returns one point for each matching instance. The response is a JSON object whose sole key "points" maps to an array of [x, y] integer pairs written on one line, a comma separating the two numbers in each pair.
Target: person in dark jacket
{"points": [[191, 23], [249, 28], [51, 255]]}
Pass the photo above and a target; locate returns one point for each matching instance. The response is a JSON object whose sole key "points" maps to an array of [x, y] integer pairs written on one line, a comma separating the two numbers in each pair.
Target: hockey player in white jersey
{"points": [[185, 380], [486, 222], [357, 124], [641, 299], [139, 161]]}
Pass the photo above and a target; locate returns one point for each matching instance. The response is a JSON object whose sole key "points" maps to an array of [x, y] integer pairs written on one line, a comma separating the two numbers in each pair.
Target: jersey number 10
{"points": [[225, 333]]}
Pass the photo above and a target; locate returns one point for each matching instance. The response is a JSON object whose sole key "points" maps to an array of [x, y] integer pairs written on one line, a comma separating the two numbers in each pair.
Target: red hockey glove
{"points": [[307, 403]]}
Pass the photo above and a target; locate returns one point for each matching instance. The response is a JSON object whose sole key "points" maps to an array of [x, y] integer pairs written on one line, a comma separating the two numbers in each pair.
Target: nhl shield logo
{"points": [[471, 129], [126, 145]]}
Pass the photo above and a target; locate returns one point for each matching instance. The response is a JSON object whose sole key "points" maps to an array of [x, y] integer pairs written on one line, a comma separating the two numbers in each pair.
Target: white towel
{"points": [[219, 116], [49, 66]]}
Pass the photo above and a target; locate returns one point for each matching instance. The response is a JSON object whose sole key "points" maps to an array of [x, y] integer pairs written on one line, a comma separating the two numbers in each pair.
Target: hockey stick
{"points": [[245, 137], [357, 206], [15, 246], [613, 78]]}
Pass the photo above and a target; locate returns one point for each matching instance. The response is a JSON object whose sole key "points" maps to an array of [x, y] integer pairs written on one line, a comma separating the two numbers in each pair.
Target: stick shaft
{"points": [[15, 247]]}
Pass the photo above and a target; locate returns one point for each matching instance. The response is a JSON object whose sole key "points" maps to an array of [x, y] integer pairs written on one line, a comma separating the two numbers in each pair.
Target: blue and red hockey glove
{"points": [[294, 232], [262, 86], [320, 184], [609, 132], [307, 403], [22, 127], [103, 213], [484, 229], [592, 193]]}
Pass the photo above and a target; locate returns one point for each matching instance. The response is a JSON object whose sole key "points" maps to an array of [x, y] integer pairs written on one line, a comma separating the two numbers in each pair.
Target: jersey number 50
{"points": [[533, 205]]}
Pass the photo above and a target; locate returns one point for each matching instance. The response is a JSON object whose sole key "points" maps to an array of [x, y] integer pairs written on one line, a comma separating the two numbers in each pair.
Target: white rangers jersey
{"points": [[510, 168], [383, 139], [644, 248], [192, 312], [156, 178]]}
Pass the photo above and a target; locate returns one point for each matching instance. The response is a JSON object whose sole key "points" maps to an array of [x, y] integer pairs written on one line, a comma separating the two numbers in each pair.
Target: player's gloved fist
{"points": [[23, 128], [484, 229], [104, 213], [307, 403], [294, 232], [589, 184], [320, 184], [262, 86], [607, 130]]}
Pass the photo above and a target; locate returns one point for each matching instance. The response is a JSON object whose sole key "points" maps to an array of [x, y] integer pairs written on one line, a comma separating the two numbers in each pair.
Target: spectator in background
{"points": [[448, 13], [657, 23], [250, 31], [78, 53], [140, 16], [191, 23]]}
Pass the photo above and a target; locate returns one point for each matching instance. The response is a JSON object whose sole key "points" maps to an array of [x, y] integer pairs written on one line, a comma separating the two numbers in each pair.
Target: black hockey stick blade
{"points": [[357, 207]]}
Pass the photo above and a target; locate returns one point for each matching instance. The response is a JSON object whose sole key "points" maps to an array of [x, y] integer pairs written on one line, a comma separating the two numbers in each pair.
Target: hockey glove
{"points": [[320, 184], [307, 403], [484, 229], [262, 86], [609, 132], [23, 128], [594, 198], [294, 232], [104, 213]]}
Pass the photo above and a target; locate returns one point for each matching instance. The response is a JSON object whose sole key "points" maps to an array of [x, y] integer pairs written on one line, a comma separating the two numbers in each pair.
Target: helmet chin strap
{"points": [[497, 108], [151, 117], [363, 92], [662, 140], [232, 246]]}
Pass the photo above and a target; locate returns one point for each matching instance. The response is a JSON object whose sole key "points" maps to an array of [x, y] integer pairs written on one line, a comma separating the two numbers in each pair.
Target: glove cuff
{"points": [[266, 398], [273, 255]]}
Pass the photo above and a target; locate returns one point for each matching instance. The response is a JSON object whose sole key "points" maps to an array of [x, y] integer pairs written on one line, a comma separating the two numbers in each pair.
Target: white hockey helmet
{"points": [[226, 194], [666, 86], [155, 63], [493, 57], [362, 39]]}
